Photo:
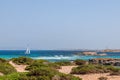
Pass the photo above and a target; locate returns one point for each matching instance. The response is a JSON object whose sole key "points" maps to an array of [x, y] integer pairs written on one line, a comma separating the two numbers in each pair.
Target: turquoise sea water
{"points": [[53, 55]]}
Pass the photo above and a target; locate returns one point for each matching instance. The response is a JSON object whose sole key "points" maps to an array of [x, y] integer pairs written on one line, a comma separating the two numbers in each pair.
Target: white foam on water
{"points": [[58, 57], [54, 57]]}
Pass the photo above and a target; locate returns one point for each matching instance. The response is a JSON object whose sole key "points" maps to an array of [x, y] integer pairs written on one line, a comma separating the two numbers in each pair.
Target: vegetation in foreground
{"points": [[84, 68], [63, 63], [45, 70], [22, 60], [38, 70], [5, 67]]}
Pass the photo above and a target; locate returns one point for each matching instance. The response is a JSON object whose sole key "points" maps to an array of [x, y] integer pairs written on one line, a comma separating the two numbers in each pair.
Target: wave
{"points": [[53, 57], [58, 57]]}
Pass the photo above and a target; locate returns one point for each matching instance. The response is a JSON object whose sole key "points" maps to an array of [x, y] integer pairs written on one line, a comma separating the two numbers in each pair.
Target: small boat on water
{"points": [[27, 51]]}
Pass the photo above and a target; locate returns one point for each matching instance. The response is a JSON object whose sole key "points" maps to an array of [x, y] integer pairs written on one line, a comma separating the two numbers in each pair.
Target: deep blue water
{"points": [[52, 55]]}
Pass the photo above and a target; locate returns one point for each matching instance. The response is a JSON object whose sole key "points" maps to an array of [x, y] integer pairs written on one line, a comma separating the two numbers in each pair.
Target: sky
{"points": [[59, 24]]}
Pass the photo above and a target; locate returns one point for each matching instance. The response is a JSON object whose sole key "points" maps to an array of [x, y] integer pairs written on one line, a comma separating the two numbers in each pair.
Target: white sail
{"points": [[27, 51]]}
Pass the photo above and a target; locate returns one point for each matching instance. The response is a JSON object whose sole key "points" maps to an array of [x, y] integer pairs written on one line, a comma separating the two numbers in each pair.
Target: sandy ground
{"points": [[67, 70], [1, 74], [19, 68]]}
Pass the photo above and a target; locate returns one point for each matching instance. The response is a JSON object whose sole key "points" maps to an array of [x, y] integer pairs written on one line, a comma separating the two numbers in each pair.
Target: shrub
{"points": [[103, 78], [6, 68], [85, 69], [82, 70], [47, 73], [22, 60], [63, 63], [3, 60], [44, 78], [115, 71], [38, 70], [68, 77], [43, 71], [80, 62], [13, 76], [54, 66], [40, 63], [35, 65]]}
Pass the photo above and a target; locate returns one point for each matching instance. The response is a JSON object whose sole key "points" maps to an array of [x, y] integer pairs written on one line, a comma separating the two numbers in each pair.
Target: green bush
{"points": [[43, 71], [23, 60], [35, 65], [63, 63], [2, 60], [54, 66], [38, 70], [27, 78], [44, 78], [82, 70], [40, 63], [115, 71], [6, 68], [68, 77], [85, 69], [13, 76], [103, 78], [47, 73]]}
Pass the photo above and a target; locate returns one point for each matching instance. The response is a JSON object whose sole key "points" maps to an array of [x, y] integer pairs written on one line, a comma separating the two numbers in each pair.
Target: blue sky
{"points": [[59, 24]]}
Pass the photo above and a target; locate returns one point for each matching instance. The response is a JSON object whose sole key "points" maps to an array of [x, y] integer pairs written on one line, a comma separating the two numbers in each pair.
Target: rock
{"points": [[105, 61]]}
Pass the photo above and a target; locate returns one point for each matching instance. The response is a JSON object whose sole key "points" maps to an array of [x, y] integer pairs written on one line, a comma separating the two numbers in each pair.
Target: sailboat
{"points": [[27, 51]]}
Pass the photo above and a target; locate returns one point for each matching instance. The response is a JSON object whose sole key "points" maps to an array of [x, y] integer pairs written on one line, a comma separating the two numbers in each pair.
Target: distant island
{"points": [[92, 53], [111, 50]]}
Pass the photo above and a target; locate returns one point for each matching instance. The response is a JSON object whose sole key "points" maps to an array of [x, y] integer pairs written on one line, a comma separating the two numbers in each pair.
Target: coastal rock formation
{"points": [[86, 53], [91, 53], [111, 50], [105, 61]]}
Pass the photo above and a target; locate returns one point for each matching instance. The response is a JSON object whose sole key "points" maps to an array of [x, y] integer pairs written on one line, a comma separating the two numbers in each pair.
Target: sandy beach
{"points": [[67, 70]]}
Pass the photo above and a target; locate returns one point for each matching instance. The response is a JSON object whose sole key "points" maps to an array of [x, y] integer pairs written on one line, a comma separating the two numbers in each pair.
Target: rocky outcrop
{"points": [[105, 61], [111, 50], [90, 53]]}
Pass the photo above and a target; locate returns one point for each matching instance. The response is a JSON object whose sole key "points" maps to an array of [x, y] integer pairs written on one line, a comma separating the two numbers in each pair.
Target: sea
{"points": [[53, 55]]}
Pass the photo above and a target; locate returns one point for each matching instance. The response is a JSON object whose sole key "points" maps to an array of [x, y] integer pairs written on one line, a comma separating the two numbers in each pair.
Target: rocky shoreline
{"points": [[105, 61]]}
